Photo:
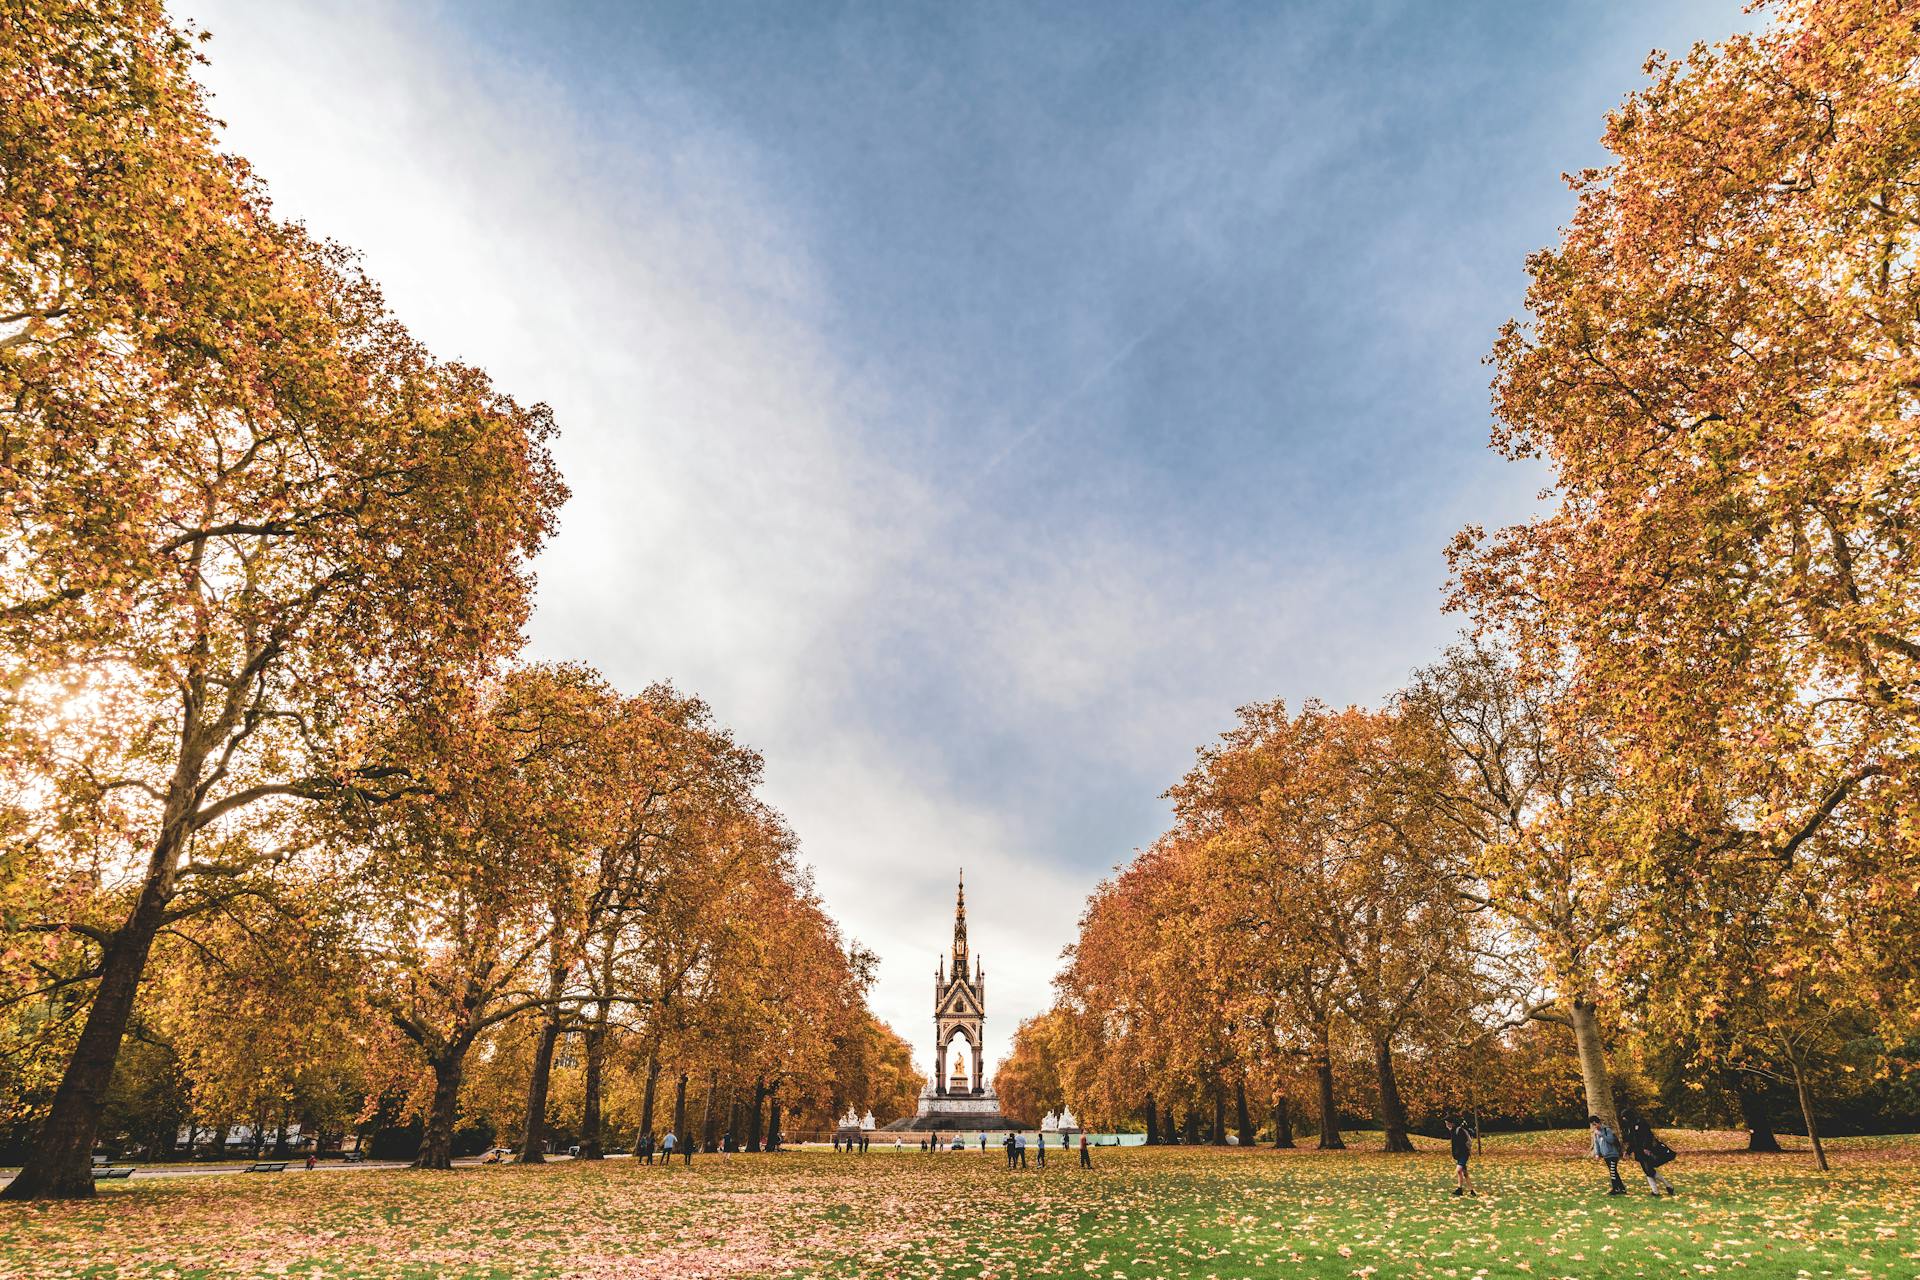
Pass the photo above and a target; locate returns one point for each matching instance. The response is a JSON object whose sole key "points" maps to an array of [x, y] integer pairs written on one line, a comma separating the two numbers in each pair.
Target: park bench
{"points": [[354, 1157], [267, 1166], [109, 1171]]}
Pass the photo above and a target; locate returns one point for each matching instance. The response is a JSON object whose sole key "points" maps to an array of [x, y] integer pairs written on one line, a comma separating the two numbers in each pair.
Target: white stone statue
{"points": [[1050, 1123], [1067, 1122], [866, 1121], [851, 1120]]}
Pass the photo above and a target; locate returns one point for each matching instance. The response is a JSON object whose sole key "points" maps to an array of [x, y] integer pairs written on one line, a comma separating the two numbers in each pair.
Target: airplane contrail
{"points": [[1053, 411]]}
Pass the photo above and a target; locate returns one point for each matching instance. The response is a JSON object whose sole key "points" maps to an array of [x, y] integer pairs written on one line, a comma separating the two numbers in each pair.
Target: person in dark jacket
{"points": [[1086, 1160], [1606, 1145], [1647, 1151], [1460, 1143]]}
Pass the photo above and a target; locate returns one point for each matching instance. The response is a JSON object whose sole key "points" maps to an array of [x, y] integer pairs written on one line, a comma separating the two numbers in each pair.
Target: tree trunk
{"points": [[680, 1111], [1282, 1123], [1168, 1134], [1242, 1120], [1393, 1111], [1330, 1139], [436, 1145], [1761, 1138], [648, 1095], [1153, 1123], [590, 1122], [1593, 1062], [59, 1165], [533, 1138], [773, 1117], [1806, 1112], [1192, 1135], [706, 1118], [753, 1120], [1219, 1135]]}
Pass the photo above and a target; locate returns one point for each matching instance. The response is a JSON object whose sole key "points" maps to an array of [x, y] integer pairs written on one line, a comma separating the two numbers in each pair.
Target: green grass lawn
{"points": [[1542, 1212]]}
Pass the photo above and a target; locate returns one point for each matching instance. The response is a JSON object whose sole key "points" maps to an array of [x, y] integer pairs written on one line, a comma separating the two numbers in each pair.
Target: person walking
{"points": [[1009, 1149], [983, 1142], [1040, 1151], [1647, 1151], [1606, 1145], [644, 1148], [1021, 1146], [726, 1145], [1460, 1143], [666, 1149], [1086, 1157]]}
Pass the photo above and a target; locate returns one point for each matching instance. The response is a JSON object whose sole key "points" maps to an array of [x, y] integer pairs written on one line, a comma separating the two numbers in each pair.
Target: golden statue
{"points": [[957, 1078]]}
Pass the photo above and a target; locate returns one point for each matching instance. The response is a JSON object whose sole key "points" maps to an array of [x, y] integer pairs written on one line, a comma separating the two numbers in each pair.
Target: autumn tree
{"points": [[232, 482], [455, 888], [1530, 793], [1328, 854], [1029, 1081], [1717, 364]]}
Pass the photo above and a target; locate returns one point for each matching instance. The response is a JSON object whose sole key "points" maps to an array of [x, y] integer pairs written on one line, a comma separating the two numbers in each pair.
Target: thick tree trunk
{"points": [[1330, 1139], [1168, 1134], [1219, 1135], [680, 1111], [1153, 1122], [533, 1137], [436, 1146], [1761, 1138], [773, 1116], [706, 1118], [1393, 1111], [753, 1120], [59, 1165], [590, 1121], [1282, 1123], [1242, 1120], [1806, 1113], [1191, 1136], [1593, 1062]]}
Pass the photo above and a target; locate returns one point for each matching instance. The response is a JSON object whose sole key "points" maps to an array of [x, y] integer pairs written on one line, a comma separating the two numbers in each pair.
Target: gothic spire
{"points": [[960, 928]]}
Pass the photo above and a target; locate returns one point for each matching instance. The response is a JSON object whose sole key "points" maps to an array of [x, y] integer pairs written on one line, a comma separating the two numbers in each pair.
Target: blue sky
{"points": [[975, 402]]}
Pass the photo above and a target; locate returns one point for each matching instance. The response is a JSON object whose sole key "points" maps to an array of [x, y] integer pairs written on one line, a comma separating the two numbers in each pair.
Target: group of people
{"points": [[1638, 1141], [646, 1148], [1016, 1145]]}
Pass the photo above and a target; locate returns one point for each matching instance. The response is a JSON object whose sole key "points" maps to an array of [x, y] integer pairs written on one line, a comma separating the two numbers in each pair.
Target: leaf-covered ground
{"points": [[1542, 1212]]}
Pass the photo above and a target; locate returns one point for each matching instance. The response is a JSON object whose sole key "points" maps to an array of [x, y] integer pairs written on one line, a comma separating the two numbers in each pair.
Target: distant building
{"points": [[960, 1098]]}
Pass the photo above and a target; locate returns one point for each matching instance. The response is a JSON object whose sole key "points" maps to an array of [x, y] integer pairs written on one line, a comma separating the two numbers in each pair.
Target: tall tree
{"points": [[1718, 365], [1530, 791], [232, 479]]}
